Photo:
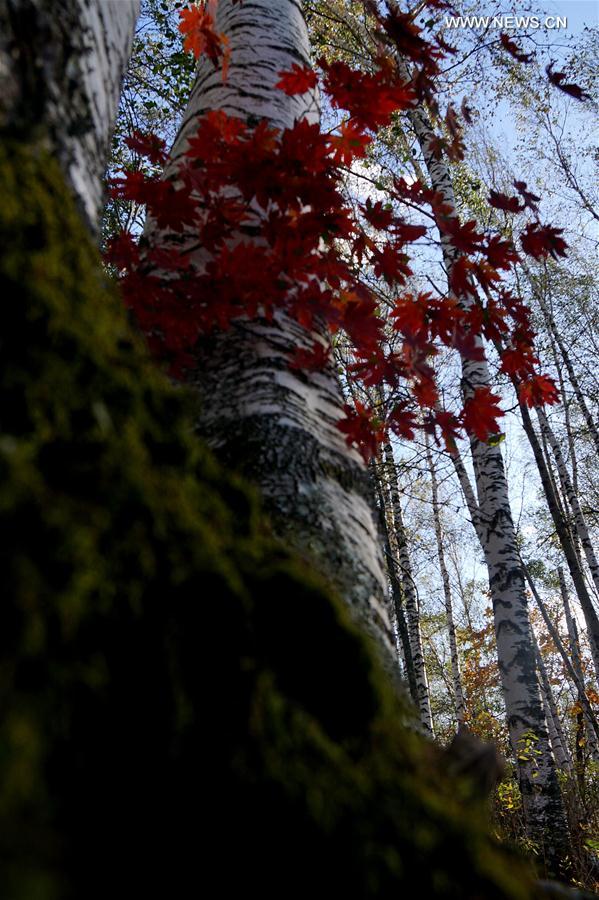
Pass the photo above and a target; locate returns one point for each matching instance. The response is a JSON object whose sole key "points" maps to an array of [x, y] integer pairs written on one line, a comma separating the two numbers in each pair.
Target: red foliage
{"points": [[197, 26], [481, 412], [237, 183], [558, 79], [543, 240], [538, 390], [147, 145], [513, 49], [362, 429], [298, 81], [501, 201]]}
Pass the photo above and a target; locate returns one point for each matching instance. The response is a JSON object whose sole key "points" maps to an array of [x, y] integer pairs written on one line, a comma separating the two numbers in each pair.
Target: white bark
{"points": [[556, 732], [458, 693], [61, 67], [593, 430], [591, 730], [276, 425], [408, 586], [563, 532], [541, 798], [572, 498], [403, 643]]}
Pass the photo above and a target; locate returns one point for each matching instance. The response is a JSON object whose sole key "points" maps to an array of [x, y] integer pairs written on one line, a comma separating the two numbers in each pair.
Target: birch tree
{"points": [[515, 649], [408, 585], [276, 425], [458, 693], [60, 76]]}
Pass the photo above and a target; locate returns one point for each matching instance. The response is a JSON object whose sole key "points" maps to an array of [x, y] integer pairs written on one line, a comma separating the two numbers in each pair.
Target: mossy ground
{"points": [[181, 702]]}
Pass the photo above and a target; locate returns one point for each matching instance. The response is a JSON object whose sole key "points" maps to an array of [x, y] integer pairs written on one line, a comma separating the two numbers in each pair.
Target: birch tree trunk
{"points": [[396, 589], [592, 732], [571, 496], [408, 586], [565, 538], [277, 425], [458, 693], [556, 732], [61, 68], [559, 645], [578, 392], [542, 802]]}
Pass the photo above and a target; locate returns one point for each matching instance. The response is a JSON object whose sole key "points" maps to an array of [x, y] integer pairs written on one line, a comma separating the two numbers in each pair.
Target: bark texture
{"points": [[61, 68], [590, 722], [541, 796], [571, 496], [565, 537], [173, 684], [456, 678], [408, 587], [276, 425]]}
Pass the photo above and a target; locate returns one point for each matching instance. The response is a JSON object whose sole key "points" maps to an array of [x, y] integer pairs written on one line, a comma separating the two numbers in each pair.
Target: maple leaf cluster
{"points": [[276, 233]]}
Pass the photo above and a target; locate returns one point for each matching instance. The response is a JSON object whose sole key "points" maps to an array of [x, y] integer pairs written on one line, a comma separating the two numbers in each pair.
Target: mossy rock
{"points": [[184, 707]]}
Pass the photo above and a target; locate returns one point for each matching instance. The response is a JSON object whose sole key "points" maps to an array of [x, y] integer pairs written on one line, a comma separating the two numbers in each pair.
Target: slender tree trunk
{"points": [[556, 733], [565, 539], [568, 489], [559, 645], [458, 692], [578, 392], [396, 589], [61, 68], [566, 403], [275, 424], [408, 585], [542, 800], [592, 731]]}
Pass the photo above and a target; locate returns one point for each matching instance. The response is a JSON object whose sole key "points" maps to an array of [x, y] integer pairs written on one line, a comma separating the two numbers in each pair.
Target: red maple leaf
{"points": [[402, 421], [197, 25], [514, 50], [459, 277], [391, 264], [502, 201], [148, 145], [379, 216], [538, 390], [481, 412], [122, 251], [351, 143], [449, 425], [573, 90], [298, 80], [500, 254], [314, 359], [410, 316], [362, 429], [543, 240], [528, 197], [425, 391], [517, 360], [465, 237]]}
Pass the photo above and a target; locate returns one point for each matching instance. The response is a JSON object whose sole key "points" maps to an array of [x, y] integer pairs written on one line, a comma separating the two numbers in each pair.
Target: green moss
{"points": [[181, 701]]}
